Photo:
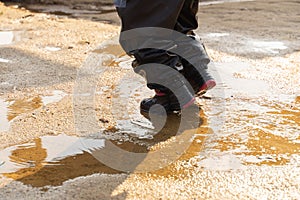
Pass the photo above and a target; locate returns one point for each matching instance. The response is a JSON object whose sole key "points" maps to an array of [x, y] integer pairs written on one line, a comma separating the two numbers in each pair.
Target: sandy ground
{"points": [[246, 148]]}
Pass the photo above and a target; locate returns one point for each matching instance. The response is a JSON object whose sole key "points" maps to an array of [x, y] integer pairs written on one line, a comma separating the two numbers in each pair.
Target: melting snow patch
{"points": [[124, 62], [267, 46], [48, 48], [2, 60], [296, 141], [6, 37], [56, 97], [217, 34], [251, 159], [4, 123], [222, 163]]}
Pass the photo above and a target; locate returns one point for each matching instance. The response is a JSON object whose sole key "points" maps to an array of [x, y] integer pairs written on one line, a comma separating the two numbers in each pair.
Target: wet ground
{"points": [[243, 143]]}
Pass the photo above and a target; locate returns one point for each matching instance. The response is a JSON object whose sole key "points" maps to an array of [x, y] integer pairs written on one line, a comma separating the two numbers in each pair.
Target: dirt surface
{"points": [[245, 147]]}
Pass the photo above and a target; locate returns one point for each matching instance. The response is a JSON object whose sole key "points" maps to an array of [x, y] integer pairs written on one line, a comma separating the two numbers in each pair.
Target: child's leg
{"points": [[187, 19], [161, 14]]}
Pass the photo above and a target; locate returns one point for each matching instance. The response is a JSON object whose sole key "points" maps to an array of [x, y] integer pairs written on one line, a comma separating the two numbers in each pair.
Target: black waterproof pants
{"points": [[175, 15], [178, 15]]}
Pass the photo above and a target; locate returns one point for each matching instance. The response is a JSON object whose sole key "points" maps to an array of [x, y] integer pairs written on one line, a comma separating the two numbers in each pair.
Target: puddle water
{"points": [[20, 106], [6, 37], [123, 62], [127, 95], [232, 85], [262, 127], [48, 160], [12, 108], [118, 57], [260, 148], [254, 110]]}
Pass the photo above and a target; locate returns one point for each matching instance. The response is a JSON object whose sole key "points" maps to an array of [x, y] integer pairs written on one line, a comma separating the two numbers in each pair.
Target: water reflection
{"points": [[20, 106], [51, 160], [12, 108]]}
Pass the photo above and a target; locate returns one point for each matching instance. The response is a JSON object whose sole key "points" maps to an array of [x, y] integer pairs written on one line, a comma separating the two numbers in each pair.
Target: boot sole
{"points": [[205, 87]]}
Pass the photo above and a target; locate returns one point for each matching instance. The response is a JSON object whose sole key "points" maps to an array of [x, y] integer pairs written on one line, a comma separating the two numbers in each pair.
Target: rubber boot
{"points": [[200, 83], [164, 100]]}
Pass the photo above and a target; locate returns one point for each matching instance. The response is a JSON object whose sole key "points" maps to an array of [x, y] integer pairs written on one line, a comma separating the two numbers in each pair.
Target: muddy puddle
{"points": [[12, 108], [241, 123], [249, 121], [260, 127], [51, 160]]}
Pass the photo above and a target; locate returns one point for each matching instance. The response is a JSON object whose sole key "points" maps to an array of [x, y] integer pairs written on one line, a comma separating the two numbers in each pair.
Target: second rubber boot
{"points": [[200, 81]]}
